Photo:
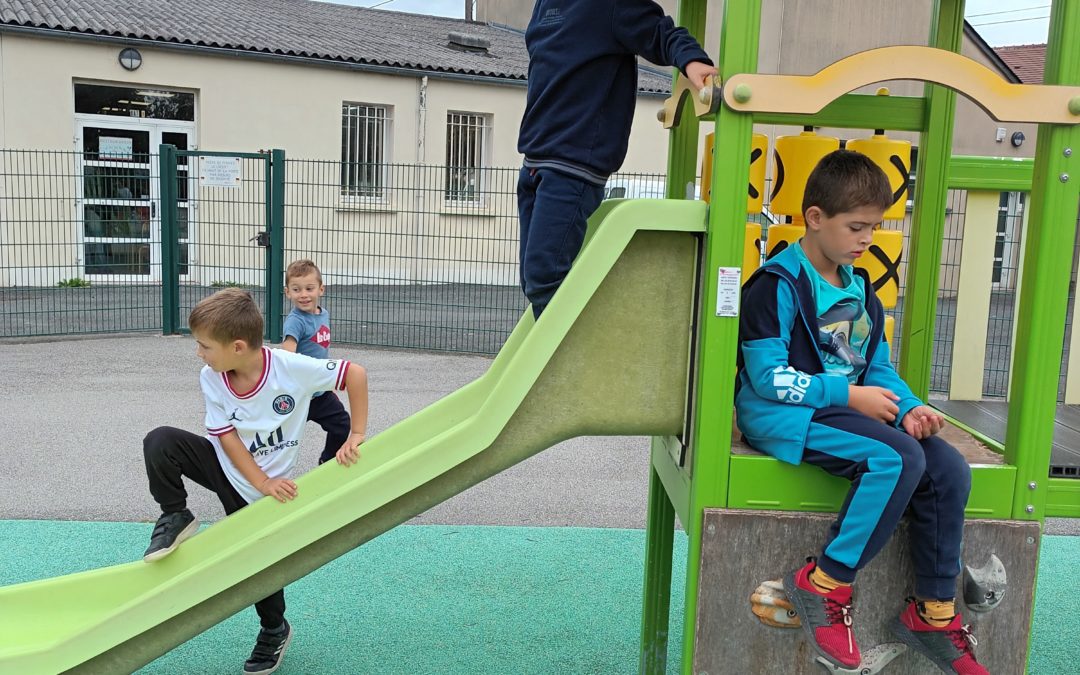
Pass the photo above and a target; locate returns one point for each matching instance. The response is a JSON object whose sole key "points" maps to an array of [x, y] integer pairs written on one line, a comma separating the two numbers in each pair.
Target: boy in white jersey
{"points": [[257, 402], [307, 332]]}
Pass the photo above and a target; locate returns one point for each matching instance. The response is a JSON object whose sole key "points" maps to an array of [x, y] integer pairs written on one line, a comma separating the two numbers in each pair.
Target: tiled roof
{"points": [[294, 28], [1027, 61]]}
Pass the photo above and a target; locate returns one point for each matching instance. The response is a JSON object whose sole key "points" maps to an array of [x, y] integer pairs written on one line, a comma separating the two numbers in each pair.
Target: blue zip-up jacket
{"points": [[781, 375], [583, 80]]}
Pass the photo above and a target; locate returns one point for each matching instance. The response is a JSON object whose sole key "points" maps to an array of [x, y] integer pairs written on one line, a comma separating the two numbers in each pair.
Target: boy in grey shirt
{"points": [[307, 331]]}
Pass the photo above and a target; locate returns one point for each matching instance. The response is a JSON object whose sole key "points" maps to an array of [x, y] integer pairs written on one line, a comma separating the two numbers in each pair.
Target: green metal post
{"points": [[1048, 246], [718, 336], [655, 614], [931, 194], [275, 253], [170, 273], [660, 524]]}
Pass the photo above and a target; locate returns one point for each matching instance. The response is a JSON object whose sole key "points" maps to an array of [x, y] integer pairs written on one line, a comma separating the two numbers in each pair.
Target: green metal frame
{"points": [[931, 197], [1004, 174], [693, 473], [1043, 302], [896, 113], [170, 269], [275, 255], [274, 181]]}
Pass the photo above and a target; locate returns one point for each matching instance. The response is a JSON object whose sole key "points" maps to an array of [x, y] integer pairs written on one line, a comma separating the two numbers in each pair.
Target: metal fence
{"points": [[416, 258], [78, 245], [413, 256]]}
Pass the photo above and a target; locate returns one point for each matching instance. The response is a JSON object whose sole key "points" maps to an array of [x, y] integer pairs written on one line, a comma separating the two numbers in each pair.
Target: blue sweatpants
{"points": [[891, 472], [553, 208]]}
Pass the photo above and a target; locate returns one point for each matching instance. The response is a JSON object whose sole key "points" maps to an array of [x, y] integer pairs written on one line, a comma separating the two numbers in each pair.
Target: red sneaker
{"points": [[826, 617], [951, 647]]}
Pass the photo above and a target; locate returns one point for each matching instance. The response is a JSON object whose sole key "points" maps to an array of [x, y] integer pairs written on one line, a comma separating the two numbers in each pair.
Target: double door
{"points": [[118, 203]]}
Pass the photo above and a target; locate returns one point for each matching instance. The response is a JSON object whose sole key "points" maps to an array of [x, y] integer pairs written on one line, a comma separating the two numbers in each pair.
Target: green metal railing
{"points": [[77, 244], [410, 258], [215, 220]]}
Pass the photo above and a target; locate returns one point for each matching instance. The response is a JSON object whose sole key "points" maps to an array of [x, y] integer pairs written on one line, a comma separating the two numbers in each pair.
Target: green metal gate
{"points": [[222, 224]]}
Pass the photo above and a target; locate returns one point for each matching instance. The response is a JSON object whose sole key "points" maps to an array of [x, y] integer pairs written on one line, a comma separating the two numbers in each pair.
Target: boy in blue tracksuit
{"points": [[815, 385], [583, 82]]}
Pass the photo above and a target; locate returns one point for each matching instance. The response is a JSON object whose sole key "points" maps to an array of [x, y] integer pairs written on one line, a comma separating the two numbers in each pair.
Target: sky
{"points": [[1000, 22]]}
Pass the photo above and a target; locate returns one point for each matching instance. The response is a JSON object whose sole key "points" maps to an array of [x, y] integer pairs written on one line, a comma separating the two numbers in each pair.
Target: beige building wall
{"points": [[248, 104]]}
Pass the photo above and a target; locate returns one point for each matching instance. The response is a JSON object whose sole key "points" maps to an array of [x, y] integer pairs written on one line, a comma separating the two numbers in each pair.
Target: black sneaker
{"points": [[170, 531], [269, 649]]}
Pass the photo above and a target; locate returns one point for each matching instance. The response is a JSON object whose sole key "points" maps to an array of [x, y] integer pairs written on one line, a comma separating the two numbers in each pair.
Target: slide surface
{"points": [[610, 356]]}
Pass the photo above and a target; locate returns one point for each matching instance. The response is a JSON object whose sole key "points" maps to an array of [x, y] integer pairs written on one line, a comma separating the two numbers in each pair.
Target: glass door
{"points": [[117, 202], [119, 205]]}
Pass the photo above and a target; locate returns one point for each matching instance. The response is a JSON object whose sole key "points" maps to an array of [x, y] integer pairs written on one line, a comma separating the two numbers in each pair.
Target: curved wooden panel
{"points": [[808, 94]]}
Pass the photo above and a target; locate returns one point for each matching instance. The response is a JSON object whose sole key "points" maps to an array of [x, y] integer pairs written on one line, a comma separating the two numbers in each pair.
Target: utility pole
{"points": [[469, 8]]}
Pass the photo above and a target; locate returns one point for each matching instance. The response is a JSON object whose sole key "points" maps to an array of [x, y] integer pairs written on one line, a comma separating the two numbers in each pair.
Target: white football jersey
{"points": [[270, 418]]}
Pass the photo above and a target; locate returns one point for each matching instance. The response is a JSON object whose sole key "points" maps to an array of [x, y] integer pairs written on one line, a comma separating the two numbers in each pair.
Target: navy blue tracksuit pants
{"points": [[553, 208], [889, 473], [326, 411]]}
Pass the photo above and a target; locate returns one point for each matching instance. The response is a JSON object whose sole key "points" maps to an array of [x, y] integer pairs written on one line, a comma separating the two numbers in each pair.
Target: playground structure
{"points": [[637, 342], [717, 489]]}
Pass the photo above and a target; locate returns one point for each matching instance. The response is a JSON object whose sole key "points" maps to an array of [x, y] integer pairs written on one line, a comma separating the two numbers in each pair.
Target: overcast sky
{"points": [[1000, 22]]}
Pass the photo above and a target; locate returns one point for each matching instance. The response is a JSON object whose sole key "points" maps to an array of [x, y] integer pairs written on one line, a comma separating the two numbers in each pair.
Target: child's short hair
{"points": [[230, 314], [302, 268], [845, 180]]}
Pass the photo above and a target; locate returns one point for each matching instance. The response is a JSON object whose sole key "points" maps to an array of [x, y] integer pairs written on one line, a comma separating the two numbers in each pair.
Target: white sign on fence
{"points": [[219, 172]]}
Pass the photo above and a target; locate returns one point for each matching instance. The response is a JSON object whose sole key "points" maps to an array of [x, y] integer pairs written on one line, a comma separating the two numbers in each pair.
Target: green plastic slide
{"points": [[610, 356]]}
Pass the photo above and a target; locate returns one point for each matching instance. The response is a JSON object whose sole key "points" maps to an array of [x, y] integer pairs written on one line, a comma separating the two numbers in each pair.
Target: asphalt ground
{"points": [[76, 411]]}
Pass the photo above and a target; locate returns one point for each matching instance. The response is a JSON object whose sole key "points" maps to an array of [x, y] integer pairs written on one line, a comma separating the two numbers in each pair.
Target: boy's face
{"points": [[844, 237], [220, 356], [304, 292]]}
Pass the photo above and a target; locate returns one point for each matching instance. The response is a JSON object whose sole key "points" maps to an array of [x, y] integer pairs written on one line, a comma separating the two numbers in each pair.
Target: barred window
{"points": [[363, 150], [466, 155]]}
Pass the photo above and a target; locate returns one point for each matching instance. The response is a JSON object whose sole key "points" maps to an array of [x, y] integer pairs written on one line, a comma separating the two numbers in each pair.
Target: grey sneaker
{"points": [[171, 529], [269, 650]]}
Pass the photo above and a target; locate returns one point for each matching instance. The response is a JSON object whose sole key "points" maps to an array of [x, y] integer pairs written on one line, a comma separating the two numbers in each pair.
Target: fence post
{"points": [[275, 264], [170, 273]]}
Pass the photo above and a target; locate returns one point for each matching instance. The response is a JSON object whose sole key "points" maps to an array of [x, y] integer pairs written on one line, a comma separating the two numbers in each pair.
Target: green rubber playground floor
{"points": [[448, 599]]}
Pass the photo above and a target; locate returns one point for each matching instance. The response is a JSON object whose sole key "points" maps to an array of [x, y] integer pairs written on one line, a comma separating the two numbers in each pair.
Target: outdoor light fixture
{"points": [[1017, 139], [130, 58]]}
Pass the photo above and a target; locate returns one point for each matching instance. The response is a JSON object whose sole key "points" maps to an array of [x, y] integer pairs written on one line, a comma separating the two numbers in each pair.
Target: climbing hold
{"points": [[771, 606], [984, 587]]}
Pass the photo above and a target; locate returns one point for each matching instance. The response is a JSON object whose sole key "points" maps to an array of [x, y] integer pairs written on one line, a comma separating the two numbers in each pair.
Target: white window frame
{"points": [[357, 134], [468, 154]]}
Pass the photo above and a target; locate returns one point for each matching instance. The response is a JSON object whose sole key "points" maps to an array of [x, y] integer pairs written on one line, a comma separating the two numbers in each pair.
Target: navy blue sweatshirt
{"points": [[583, 79]]}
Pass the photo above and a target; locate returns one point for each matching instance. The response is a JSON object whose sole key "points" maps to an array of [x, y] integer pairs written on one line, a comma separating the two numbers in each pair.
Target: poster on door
{"points": [[112, 147]]}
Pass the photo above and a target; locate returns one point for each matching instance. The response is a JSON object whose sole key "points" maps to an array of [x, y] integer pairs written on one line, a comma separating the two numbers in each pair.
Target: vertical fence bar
{"points": [[170, 277], [275, 262]]}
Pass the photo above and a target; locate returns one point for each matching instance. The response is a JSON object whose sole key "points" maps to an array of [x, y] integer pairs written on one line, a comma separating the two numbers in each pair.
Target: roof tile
{"points": [[303, 28]]}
